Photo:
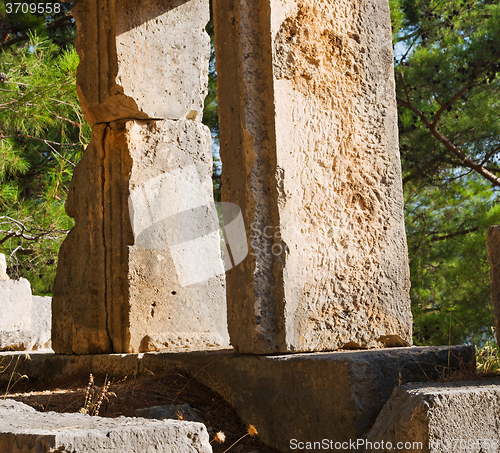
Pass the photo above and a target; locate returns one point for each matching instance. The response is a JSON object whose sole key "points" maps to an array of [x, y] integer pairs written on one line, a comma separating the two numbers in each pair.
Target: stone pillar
{"points": [[309, 148], [142, 268], [493, 245]]}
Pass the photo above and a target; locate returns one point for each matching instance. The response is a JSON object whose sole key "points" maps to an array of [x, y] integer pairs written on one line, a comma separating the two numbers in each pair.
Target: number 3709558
{"points": [[33, 8]]}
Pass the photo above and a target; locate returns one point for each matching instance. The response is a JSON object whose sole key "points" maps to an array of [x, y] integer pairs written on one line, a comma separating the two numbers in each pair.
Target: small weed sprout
{"points": [[251, 431], [220, 438], [14, 376], [94, 397], [488, 358]]}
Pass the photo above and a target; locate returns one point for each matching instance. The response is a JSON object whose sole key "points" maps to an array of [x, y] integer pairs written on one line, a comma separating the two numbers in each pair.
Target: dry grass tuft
{"points": [[147, 390]]}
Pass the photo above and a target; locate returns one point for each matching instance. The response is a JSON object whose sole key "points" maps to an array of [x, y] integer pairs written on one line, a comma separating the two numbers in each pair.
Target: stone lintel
{"points": [[308, 396], [310, 153]]}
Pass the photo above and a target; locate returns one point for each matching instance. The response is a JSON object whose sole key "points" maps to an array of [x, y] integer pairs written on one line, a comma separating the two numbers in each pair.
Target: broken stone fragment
{"points": [[23, 429], [437, 417], [3, 268]]}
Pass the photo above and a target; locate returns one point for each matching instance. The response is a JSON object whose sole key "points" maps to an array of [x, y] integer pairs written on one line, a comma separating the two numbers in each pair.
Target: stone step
{"points": [[23, 429], [438, 417]]}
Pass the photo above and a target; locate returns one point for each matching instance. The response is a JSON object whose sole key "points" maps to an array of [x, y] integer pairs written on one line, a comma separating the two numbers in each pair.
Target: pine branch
{"points": [[24, 35], [452, 148]]}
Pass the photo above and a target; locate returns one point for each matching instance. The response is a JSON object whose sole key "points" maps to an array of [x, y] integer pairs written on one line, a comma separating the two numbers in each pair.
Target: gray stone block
{"points": [[15, 305], [41, 321], [25, 320], [170, 411], [309, 146], [24, 430], [439, 417], [493, 246]]}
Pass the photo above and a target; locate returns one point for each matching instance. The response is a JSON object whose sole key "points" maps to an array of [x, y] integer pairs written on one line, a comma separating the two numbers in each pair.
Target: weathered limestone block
{"points": [[310, 151], [142, 59], [3, 267], [24, 430], [24, 319], [493, 245], [452, 416], [41, 321], [15, 304], [142, 268], [17, 340]]}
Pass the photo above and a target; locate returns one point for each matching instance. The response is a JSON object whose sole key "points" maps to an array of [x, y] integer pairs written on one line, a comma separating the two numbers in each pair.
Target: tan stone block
{"points": [[120, 285], [438, 417], [493, 245], [310, 153], [142, 59], [3, 268]]}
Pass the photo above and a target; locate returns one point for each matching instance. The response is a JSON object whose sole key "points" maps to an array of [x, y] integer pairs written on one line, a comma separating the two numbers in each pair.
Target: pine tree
{"points": [[42, 135], [447, 64]]}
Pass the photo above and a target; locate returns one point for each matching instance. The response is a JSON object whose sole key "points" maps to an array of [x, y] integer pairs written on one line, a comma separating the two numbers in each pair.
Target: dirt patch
{"points": [[127, 395]]}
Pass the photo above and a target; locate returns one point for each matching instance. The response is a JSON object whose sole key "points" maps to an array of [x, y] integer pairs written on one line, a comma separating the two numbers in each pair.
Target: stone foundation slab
{"points": [[307, 397], [24, 430], [438, 417]]}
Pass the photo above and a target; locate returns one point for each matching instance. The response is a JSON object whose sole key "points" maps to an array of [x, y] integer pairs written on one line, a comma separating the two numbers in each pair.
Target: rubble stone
{"points": [[437, 417], [24, 430]]}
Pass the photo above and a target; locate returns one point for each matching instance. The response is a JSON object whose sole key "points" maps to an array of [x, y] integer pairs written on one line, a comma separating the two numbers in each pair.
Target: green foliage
{"points": [[446, 229], [447, 60], [42, 135], [447, 66], [211, 113], [488, 357]]}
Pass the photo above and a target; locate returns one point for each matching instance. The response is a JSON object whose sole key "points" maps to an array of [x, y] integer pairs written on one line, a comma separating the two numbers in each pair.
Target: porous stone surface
{"points": [[24, 430], [142, 59], [493, 246], [310, 150], [17, 340], [307, 397], [142, 268], [15, 298], [437, 417], [25, 320]]}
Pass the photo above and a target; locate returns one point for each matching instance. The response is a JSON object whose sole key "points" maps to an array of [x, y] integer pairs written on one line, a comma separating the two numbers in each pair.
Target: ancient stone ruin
{"points": [[310, 155], [142, 81], [310, 161], [25, 320]]}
